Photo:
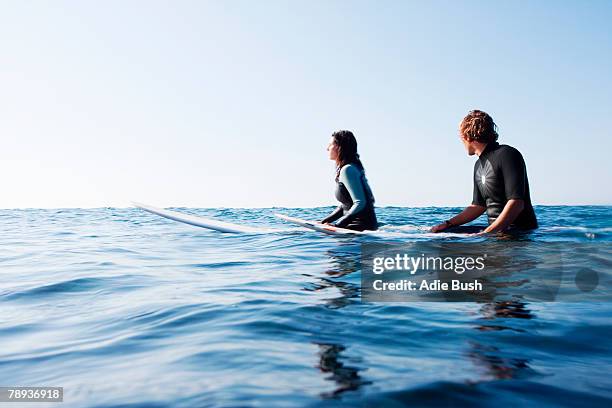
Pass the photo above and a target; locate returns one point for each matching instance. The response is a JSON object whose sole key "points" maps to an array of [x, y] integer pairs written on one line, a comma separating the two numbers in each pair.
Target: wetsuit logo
{"points": [[485, 178]]}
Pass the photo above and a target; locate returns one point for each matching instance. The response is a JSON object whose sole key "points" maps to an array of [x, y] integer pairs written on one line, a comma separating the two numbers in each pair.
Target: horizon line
{"points": [[288, 207]]}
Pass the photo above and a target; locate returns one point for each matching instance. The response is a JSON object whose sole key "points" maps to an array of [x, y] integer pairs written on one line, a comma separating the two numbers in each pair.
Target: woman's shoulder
{"points": [[350, 171]]}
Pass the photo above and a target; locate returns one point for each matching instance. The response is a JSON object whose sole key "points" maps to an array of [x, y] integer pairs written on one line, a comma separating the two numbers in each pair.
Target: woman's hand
{"points": [[439, 227]]}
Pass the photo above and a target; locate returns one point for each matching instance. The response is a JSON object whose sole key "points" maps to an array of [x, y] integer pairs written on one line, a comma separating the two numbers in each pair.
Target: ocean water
{"points": [[124, 308]]}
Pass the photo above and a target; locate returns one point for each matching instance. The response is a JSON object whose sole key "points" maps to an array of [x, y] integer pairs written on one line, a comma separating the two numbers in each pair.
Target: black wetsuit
{"points": [[500, 175], [357, 214]]}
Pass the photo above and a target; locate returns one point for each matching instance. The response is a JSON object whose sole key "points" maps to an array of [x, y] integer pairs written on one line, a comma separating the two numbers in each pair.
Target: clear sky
{"points": [[231, 103]]}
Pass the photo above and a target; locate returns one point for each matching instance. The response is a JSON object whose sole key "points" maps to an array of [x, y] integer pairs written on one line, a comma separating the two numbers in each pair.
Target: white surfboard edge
{"points": [[317, 226], [198, 221]]}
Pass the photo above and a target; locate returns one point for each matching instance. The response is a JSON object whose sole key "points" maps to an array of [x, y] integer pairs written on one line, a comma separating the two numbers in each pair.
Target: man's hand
{"points": [[470, 213]]}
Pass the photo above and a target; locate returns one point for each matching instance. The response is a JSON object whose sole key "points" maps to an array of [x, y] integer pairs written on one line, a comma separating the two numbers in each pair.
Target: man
{"points": [[500, 181]]}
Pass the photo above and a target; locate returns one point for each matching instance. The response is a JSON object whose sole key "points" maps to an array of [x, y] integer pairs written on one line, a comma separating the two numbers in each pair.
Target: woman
{"points": [[356, 209]]}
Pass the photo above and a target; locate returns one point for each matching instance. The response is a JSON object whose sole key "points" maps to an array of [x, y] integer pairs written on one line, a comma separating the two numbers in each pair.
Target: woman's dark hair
{"points": [[478, 126], [347, 149]]}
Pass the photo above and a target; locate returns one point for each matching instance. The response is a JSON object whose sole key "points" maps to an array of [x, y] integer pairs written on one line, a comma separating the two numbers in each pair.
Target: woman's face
{"points": [[332, 149]]}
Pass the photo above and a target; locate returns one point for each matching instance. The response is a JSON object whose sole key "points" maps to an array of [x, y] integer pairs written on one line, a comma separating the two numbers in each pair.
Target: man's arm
{"points": [[470, 213], [511, 210]]}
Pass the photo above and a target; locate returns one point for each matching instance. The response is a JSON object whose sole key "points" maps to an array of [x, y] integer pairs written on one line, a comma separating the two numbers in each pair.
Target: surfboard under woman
{"points": [[356, 209]]}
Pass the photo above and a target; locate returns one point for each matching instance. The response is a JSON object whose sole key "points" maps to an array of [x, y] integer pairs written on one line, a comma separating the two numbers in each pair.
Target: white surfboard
{"points": [[317, 226], [198, 221]]}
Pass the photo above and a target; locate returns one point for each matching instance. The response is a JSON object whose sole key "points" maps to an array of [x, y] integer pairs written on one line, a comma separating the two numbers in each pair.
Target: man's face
{"points": [[469, 146]]}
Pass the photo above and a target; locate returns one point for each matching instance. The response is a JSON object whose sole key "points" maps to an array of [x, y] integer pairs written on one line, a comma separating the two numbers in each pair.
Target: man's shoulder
{"points": [[508, 151]]}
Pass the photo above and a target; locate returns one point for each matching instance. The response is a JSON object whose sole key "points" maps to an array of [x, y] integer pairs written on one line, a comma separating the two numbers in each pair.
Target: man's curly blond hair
{"points": [[478, 126]]}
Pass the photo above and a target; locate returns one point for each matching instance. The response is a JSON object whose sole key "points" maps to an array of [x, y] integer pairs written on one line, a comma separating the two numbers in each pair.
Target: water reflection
{"points": [[344, 261], [348, 292], [496, 363], [346, 377], [493, 361], [516, 309], [509, 272]]}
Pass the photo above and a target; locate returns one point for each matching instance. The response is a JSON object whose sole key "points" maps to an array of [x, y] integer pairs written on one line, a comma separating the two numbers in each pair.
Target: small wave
{"points": [[77, 285], [486, 394], [577, 228], [216, 265]]}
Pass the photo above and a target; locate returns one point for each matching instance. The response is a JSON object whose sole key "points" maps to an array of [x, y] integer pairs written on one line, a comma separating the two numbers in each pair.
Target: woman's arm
{"points": [[350, 176], [337, 213]]}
